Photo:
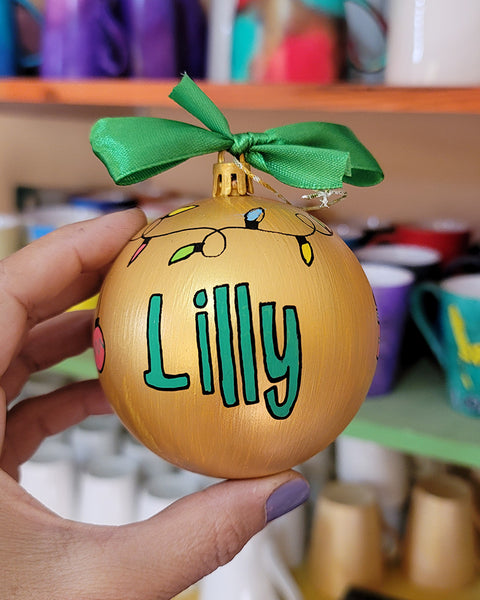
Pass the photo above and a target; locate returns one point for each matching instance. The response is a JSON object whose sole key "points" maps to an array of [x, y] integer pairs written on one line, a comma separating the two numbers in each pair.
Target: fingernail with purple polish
{"points": [[286, 497]]}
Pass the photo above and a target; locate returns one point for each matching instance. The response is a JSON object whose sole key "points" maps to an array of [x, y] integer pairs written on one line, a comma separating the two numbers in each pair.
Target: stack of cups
{"points": [[49, 476], [258, 571], [384, 469], [439, 548], [107, 494], [347, 548], [107, 482]]}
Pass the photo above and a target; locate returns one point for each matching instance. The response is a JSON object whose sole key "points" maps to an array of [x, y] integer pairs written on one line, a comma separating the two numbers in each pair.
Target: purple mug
{"points": [[192, 38], [84, 38], [391, 288], [151, 31], [166, 37]]}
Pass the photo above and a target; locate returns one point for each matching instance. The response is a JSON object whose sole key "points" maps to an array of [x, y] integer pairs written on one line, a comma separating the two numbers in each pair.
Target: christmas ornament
{"points": [[236, 336]]}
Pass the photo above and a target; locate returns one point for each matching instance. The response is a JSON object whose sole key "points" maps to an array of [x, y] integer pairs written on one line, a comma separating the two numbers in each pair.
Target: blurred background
{"points": [[413, 439]]}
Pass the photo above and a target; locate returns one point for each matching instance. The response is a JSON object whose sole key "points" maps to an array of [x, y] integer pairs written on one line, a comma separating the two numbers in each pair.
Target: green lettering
{"points": [[203, 344], [226, 360], [246, 343], [155, 376], [277, 366]]}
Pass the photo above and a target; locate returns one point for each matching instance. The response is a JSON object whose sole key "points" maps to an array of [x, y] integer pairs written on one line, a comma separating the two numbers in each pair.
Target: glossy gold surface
{"points": [[265, 258]]}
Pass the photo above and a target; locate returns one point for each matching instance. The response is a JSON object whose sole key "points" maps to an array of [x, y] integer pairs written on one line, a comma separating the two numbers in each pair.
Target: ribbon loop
{"points": [[314, 155]]}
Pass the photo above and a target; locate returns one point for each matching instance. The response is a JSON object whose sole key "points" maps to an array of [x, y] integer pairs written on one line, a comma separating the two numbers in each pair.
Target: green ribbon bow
{"points": [[310, 155]]}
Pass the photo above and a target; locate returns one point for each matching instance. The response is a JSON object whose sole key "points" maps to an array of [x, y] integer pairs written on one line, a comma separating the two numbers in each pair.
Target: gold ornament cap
{"points": [[231, 178]]}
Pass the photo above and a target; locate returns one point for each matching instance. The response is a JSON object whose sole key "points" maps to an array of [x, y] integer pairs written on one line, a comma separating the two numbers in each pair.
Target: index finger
{"points": [[36, 276]]}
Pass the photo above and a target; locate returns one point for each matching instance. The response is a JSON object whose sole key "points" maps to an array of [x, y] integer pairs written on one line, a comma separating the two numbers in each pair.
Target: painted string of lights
{"points": [[251, 221]]}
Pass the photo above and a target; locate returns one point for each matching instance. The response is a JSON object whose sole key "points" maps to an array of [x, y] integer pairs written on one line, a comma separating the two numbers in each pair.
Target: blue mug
{"points": [[11, 57], [454, 336], [367, 31]]}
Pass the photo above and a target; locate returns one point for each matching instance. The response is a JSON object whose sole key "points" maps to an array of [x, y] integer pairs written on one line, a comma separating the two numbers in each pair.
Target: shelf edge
{"points": [[342, 97]]}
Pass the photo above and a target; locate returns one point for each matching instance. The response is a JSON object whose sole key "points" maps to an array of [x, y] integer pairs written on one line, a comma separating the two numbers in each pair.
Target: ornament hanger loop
{"points": [[327, 197]]}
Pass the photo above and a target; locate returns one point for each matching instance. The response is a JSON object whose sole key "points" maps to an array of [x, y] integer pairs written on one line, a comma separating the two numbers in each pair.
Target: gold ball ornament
{"points": [[237, 336]]}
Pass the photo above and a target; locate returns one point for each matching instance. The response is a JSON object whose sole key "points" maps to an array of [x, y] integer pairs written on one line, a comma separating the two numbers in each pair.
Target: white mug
{"points": [[289, 535], [49, 476], [433, 43], [161, 490], [149, 464], [384, 469], [107, 491], [365, 461], [219, 45], [96, 435], [10, 234], [257, 572], [317, 470]]}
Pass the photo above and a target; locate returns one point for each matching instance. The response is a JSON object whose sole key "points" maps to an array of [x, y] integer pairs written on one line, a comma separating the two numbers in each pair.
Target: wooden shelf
{"points": [[415, 418], [394, 586], [336, 98]]}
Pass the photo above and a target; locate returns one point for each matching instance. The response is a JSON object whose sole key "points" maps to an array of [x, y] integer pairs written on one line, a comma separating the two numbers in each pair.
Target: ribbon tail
{"points": [[136, 148], [194, 100], [302, 166], [363, 170]]}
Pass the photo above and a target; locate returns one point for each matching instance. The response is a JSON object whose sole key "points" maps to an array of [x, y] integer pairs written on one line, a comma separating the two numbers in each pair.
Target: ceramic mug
{"points": [[83, 39], [49, 476], [391, 288], [456, 343], [151, 38], [351, 234], [11, 60], [97, 435], [11, 230], [433, 43], [257, 571], [289, 535], [385, 469], [318, 470], [192, 42], [149, 464], [439, 546], [423, 262], [366, 39], [346, 547], [41, 220], [108, 490], [447, 236], [161, 490], [467, 263]]}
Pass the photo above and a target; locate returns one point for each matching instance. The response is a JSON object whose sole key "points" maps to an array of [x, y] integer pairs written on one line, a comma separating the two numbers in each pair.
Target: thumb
{"points": [[158, 558]]}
